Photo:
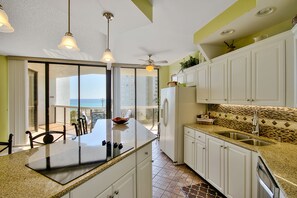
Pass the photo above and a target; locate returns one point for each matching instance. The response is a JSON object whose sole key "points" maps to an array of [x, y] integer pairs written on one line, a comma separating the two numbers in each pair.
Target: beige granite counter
{"points": [[280, 158], [17, 180]]}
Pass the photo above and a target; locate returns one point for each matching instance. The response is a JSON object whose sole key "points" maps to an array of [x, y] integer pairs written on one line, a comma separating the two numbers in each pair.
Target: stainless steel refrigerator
{"points": [[178, 107]]}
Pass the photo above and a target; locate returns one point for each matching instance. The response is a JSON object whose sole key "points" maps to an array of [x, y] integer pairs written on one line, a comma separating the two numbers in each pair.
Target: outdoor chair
{"points": [[7, 145]]}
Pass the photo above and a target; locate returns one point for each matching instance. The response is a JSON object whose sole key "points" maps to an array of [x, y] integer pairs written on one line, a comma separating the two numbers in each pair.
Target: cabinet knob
{"points": [[206, 99], [253, 100], [225, 99], [248, 100], [146, 153], [152, 161], [222, 146], [116, 192], [193, 142], [199, 136], [225, 147], [203, 148]]}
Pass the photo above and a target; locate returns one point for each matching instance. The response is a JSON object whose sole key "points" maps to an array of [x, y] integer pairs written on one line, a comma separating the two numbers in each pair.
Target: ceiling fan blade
{"points": [[162, 61]]}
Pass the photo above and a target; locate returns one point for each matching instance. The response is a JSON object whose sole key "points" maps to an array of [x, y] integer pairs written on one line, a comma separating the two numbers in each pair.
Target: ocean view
{"points": [[89, 102]]}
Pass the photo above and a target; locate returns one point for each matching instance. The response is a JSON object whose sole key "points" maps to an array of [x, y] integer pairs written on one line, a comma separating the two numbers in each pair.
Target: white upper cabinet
{"points": [[181, 78], [268, 74], [239, 85], [191, 76], [202, 84], [218, 82]]}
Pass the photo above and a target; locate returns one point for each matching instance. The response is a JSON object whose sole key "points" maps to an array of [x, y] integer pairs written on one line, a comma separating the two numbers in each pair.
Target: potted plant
{"points": [[189, 63]]}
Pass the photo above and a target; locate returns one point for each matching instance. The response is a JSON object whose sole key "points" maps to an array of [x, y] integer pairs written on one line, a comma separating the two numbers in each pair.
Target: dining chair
{"points": [[8, 144], [48, 137], [77, 128]]}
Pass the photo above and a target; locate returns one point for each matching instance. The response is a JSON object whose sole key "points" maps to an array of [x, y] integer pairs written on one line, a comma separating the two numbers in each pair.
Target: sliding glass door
{"points": [[139, 96], [60, 93], [147, 98]]}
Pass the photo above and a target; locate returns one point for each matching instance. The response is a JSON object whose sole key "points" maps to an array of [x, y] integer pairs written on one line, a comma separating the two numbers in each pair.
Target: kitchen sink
{"points": [[234, 135], [256, 142]]}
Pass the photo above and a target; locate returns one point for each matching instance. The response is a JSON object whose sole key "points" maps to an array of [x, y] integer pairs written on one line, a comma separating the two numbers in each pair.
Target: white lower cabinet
{"points": [[224, 165], [124, 187], [237, 171], [215, 162], [189, 149], [120, 180], [228, 168], [199, 158], [194, 150]]}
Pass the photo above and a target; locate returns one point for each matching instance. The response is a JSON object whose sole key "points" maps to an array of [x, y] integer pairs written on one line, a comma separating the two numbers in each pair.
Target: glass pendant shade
{"points": [[107, 57], [4, 23], [68, 42], [149, 68]]}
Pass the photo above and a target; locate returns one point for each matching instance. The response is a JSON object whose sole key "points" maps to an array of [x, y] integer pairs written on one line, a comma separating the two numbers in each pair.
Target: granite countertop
{"points": [[280, 158], [17, 180]]}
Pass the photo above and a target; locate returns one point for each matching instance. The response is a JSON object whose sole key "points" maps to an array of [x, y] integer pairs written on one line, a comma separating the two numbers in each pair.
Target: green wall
{"points": [[271, 31], [3, 99], [146, 8], [163, 76]]}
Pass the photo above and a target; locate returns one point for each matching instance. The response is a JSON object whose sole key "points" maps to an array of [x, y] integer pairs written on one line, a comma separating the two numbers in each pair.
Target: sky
{"points": [[93, 86]]}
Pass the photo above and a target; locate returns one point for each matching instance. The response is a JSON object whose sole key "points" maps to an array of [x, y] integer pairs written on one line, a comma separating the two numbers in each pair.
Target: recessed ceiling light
{"points": [[266, 11], [225, 32]]}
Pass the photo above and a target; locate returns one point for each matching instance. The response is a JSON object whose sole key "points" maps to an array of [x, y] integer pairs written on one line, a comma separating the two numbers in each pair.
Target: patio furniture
{"points": [[8, 145], [47, 137]]}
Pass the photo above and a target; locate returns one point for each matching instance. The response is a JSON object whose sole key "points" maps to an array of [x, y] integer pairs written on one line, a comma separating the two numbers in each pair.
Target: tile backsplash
{"points": [[275, 122]]}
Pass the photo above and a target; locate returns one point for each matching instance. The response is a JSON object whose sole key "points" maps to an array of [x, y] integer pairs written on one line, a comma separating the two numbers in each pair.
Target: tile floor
{"points": [[170, 181]]}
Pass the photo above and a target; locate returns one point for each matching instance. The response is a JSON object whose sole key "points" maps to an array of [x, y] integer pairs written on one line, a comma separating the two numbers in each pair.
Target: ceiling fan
{"points": [[150, 63]]}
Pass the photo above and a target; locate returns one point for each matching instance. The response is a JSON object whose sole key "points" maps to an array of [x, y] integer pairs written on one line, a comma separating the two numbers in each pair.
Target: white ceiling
{"points": [[40, 25]]}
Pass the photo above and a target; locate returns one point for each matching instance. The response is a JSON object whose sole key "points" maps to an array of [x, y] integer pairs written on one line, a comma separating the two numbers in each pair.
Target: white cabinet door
{"points": [[237, 171], [239, 72], [189, 144], [200, 158], [181, 78], [126, 186], [218, 82], [191, 77], [106, 194], [268, 74], [215, 162], [144, 179], [202, 84]]}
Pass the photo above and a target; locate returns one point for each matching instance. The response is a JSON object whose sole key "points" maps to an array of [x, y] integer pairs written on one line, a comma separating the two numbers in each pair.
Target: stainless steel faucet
{"points": [[256, 124]]}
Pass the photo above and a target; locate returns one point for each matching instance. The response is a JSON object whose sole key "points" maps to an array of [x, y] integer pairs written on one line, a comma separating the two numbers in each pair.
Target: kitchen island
{"points": [[18, 180]]}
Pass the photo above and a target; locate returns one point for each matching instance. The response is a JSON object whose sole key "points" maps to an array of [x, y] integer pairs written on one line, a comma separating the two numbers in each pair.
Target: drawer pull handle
{"points": [[146, 153], [152, 161], [116, 192]]}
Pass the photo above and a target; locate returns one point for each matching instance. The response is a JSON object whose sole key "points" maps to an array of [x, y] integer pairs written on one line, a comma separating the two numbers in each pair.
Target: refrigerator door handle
{"points": [[165, 112]]}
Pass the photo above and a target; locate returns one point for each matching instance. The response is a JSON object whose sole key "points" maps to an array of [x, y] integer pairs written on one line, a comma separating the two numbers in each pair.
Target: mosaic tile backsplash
{"points": [[275, 122]]}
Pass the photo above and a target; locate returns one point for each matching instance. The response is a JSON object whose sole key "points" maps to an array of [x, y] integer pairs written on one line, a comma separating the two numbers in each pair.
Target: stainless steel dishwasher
{"points": [[267, 187]]}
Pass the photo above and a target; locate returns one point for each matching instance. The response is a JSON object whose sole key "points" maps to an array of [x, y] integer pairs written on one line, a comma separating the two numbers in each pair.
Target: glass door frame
{"points": [[79, 65], [135, 88]]}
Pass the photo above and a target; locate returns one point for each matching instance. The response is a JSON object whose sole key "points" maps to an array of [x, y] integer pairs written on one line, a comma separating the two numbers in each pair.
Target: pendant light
{"points": [[68, 42], [107, 55], [4, 23]]}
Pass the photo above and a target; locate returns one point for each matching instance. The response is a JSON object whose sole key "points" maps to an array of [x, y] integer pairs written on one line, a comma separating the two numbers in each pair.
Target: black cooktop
{"points": [[78, 159]]}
